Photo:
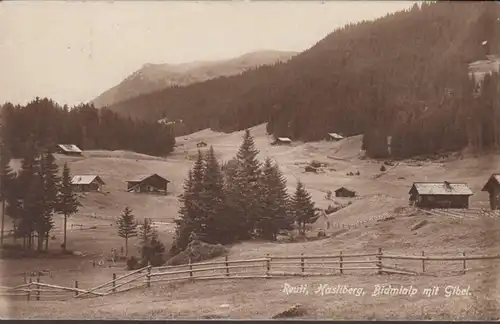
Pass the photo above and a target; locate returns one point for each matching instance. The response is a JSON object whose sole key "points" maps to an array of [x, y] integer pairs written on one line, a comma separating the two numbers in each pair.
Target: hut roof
{"points": [[85, 179], [69, 148], [442, 188]]}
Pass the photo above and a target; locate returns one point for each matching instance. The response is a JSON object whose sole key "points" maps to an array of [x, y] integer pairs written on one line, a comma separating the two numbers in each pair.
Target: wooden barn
{"points": [[345, 192], [282, 141], [201, 144], [87, 183], [68, 149], [492, 186], [334, 137], [152, 183], [440, 195]]}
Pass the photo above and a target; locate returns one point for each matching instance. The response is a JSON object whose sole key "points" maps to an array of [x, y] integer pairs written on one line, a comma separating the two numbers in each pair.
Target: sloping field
{"points": [[379, 193]]}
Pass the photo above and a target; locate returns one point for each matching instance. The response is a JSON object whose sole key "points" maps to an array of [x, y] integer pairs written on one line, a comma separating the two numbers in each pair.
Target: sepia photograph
{"points": [[250, 160]]}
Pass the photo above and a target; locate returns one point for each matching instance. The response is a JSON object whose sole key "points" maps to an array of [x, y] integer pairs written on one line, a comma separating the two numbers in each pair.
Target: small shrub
{"points": [[328, 195], [133, 263], [383, 168], [197, 251], [316, 164], [311, 169]]}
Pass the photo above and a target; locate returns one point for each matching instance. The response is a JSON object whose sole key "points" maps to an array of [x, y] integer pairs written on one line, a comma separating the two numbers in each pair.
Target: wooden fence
{"points": [[267, 267]]}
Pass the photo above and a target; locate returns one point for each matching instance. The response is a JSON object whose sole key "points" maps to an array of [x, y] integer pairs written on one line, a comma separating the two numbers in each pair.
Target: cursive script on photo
{"points": [[295, 289]]}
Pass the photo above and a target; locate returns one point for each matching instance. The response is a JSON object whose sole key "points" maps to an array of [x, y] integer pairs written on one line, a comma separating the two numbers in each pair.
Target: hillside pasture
{"points": [[379, 193]]}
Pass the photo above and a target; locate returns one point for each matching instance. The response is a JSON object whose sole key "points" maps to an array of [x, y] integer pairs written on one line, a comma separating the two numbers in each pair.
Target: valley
{"points": [[377, 194]]}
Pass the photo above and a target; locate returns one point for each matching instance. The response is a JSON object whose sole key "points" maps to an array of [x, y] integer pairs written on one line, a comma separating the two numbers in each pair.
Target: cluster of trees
{"points": [[239, 200], [404, 75], [34, 194], [47, 123], [150, 247]]}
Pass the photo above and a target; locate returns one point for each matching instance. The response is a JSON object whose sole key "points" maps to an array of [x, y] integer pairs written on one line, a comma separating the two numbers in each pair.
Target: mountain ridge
{"points": [[404, 75], [152, 77]]}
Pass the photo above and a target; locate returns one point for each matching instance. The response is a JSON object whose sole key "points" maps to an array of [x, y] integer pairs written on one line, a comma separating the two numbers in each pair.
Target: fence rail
{"points": [[267, 267]]}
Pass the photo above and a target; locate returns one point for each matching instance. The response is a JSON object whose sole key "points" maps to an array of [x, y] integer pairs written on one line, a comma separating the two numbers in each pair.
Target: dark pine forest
{"points": [[404, 75], [43, 123]]}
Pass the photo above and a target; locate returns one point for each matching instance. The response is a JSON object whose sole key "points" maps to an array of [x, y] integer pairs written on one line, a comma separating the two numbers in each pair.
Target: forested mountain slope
{"points": [[42, 123], [403, 75]]}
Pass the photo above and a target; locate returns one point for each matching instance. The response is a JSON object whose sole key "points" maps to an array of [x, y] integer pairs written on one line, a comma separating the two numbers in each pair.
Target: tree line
{"points": [[239, 200], [32, 196], [46, 123], [403, 76]]}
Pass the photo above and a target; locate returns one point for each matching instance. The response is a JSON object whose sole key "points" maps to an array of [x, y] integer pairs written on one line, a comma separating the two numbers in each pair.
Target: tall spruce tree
{"points": [[51, 181], [27, 193], [185, 224], [191, 207], [216, 228], [34, 210], [67, 201], [303, 208], [127, 227], [244, 192], [274, 198]]}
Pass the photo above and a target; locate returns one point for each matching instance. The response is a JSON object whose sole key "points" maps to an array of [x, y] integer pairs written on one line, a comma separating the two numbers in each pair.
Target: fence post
{"points": [[114, 282], [29, 290], [38, 289], [302, 263], [341, 265], [25, 278], [148, 276], [268, 265], [190, 269], [465, 264], [76, 287], [423, 262], [227, 268], [379, 261]]}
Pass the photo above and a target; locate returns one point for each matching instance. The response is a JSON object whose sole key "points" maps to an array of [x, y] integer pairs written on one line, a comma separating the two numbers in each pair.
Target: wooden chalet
{"points": [[87, 183], [152, 183], [492, 186], [334, 137], [282, 141], [440, 195], [345, 192], [201, 144], [68, 149]]}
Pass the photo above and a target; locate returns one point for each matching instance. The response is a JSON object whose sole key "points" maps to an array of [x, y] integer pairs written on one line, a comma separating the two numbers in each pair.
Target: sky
{"points": [[73, 51]]}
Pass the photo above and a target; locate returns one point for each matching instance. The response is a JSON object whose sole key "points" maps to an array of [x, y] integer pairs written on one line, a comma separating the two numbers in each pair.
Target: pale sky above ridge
{"points": [[73, 51]]}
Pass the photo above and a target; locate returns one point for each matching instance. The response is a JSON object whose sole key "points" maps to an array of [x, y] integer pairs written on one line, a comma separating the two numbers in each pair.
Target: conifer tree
{"points": [[67, 201], [184, 224], [151, 247], [303, 208], [191, 207], [215, 226], [33, 211], [7, 177], [127, 227], [274, 198], [244, 192], [51, 180], [28, 193]]}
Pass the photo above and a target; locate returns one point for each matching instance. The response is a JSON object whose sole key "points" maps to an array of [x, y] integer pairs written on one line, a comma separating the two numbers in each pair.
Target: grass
{"points": [[378, 194]]}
